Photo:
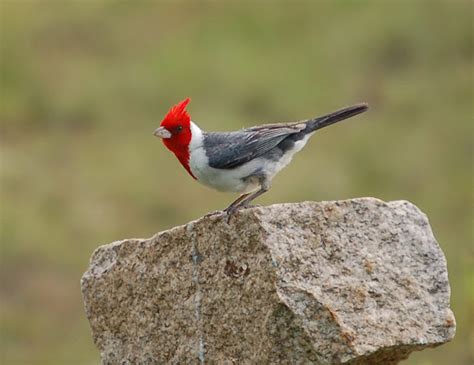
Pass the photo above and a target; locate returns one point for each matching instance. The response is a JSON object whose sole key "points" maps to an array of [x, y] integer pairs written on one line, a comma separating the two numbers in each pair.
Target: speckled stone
{"points": [[359, 281]]}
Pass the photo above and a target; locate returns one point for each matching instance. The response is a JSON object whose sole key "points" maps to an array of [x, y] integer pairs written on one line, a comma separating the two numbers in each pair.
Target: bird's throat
{"points": [[179, 145], [183, 157]]}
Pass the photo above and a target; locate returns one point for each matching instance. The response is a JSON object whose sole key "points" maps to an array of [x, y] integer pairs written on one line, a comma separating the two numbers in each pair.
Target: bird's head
{"points": [[175, 128]]}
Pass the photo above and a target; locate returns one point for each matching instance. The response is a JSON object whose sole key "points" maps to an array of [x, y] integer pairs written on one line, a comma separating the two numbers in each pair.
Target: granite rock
{"points": [[359, 281]]}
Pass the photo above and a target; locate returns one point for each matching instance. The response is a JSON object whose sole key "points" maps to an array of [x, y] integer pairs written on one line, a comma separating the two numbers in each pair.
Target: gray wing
{"points": [[232, 149]]}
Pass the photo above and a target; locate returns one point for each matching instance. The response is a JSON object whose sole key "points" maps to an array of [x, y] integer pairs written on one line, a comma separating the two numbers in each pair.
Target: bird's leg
{"points": [[236, 202], [230, 207], [246, 199]]}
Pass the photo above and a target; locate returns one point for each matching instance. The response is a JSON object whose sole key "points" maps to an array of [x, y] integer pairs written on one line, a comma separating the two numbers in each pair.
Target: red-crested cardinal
{"points": [[243, 161]]}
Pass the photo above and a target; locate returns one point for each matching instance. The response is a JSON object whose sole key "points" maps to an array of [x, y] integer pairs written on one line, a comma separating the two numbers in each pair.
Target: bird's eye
{"points": [[179, 128]]}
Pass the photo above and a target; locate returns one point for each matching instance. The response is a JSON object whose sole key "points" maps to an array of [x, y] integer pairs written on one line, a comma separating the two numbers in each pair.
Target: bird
{"points": [[243, 161]]}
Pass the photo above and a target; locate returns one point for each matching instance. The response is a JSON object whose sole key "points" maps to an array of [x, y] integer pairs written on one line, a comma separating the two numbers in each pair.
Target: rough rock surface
{"points": [[346, 282]]}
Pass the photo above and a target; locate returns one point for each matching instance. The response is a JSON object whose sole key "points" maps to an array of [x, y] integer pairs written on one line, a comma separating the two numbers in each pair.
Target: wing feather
{"points": [[232, 149]]}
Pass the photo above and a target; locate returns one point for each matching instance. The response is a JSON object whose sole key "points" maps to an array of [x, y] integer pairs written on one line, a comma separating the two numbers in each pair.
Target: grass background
{"points": [[84, 84]]}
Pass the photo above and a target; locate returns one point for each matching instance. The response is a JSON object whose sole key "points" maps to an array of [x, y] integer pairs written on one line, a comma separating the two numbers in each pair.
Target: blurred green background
{"points": [[84, 84]]}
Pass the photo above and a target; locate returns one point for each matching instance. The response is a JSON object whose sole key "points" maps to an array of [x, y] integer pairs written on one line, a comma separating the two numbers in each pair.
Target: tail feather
{"points": [[337, 116]]}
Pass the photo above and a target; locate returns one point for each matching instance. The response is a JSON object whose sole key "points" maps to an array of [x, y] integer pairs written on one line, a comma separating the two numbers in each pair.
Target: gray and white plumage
{"points": [[243, 160]]}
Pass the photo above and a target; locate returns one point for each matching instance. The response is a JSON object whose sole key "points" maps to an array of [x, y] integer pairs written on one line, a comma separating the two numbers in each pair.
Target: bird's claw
{"points": [[215, 212], [227, 212], [230, 212]]}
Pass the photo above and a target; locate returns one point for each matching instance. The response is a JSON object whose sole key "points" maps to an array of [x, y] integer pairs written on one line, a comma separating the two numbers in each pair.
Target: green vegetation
{"points": [[84, 84]]}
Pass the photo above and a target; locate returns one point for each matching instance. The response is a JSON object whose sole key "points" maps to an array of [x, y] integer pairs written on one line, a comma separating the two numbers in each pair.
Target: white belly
{"points": [[232, 180]]}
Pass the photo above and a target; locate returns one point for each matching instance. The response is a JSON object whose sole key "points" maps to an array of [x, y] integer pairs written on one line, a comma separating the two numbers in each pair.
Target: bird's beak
{"points": [[162, 132]]}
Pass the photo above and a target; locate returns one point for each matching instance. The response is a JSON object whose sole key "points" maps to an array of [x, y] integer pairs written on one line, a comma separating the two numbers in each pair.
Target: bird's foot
{"points": [[230, 212], [215, 212], [245, 206]]}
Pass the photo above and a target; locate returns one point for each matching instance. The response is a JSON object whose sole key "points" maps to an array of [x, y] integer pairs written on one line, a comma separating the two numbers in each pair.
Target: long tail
{"points": [[337, 116]]}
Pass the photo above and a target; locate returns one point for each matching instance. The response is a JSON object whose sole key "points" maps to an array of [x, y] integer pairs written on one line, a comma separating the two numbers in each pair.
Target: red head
{"points": [[175, 130]]}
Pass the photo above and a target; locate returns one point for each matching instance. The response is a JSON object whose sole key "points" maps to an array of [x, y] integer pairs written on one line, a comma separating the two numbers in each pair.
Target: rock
{"points": [[347, 282]]}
